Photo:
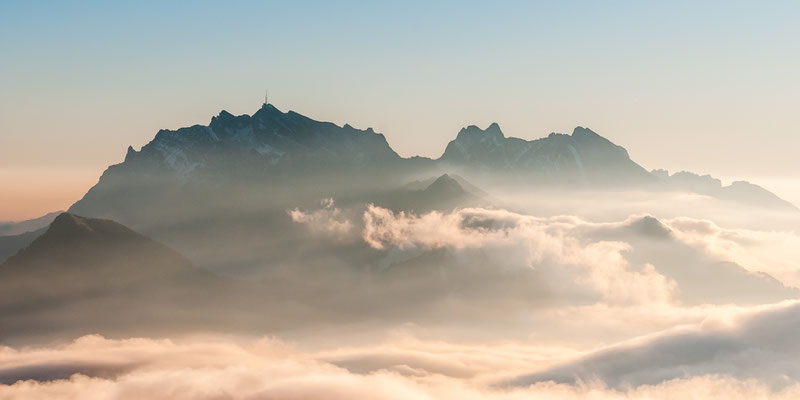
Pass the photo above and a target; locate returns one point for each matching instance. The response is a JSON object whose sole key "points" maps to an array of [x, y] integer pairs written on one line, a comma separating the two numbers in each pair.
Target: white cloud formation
{"points": [[404, 367], [328, 220], [759, 343], [639, 259], [774, 252], [599, 265], [618, 271], [616, 261]]}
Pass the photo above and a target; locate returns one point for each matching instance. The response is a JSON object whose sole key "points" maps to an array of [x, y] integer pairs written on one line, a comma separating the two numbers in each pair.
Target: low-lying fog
{"points": [[556, 295]]}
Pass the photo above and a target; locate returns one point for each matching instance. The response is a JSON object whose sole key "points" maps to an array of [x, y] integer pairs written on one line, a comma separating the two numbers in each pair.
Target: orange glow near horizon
{"points": [[32, 192]]}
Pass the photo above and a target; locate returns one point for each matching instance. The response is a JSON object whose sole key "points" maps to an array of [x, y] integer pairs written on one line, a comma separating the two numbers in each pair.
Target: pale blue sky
{"points": [[712, 87]]}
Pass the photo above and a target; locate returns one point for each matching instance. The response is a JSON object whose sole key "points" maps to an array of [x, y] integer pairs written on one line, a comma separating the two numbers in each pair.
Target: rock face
{"points": [[269, 137], [237, 162], [583, 158]]}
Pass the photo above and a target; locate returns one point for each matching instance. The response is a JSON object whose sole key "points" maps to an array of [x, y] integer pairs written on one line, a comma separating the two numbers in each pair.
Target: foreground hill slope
{"points": [[78, 255], [87, 275]]}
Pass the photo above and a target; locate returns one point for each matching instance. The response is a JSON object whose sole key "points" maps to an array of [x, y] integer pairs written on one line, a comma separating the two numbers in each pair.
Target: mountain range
{"points": [[241, 170], [582, 159], [285, 157], [166, 234], [277, 144]]}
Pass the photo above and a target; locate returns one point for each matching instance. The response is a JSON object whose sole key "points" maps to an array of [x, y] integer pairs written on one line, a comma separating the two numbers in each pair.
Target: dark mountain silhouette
{"points": [[241, 162], [81, 255], [581, 159], [86, 275], [287, 140], [276, 160]]}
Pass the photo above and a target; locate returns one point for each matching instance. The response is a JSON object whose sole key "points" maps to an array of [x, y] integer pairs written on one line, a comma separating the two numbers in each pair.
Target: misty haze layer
{"points": [[275, 256]]}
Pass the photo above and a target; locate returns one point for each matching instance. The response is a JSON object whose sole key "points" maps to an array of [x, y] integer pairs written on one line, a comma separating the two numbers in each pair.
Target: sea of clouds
{"points": [[751, 354], [638, 308]]}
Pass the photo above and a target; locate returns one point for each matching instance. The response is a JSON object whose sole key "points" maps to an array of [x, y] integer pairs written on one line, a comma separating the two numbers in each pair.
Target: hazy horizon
{"points": [[685, 86], [37, 190]]}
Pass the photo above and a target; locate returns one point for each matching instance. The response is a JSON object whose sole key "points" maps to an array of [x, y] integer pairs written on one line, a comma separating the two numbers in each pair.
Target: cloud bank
{"points": [[600, 280], [758, 344], [558, 257], [750, 355]]}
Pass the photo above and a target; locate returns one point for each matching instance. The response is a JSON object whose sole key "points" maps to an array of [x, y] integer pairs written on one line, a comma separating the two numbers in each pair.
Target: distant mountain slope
{"points": [[581, 159], [440, 193], [738, 191], [466, 185], [748, 193], [15, 236], [11, 244], [16, 228], [702, 279]]}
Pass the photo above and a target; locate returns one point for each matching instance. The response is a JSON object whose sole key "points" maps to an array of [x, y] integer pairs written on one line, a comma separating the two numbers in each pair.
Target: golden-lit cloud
{"points": [[749, 356], [328, 220]]}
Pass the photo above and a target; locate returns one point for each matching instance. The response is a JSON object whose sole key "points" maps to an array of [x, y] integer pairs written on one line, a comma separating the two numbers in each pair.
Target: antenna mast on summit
{"points": [[266, 97]]}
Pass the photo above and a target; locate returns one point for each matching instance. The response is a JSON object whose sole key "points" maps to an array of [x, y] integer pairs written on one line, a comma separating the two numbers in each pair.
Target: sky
{"points": [[710, 87]]}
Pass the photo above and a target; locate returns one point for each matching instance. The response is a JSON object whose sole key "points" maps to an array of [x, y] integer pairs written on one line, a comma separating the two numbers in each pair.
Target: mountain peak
{"points": [[130, 154], [82, 237], [71, 226], [444, 178], [580, 131], [492, 132], [81, 258], [224, 114], [67, 221], [650, 226], [445, 184], [267, 110]]}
